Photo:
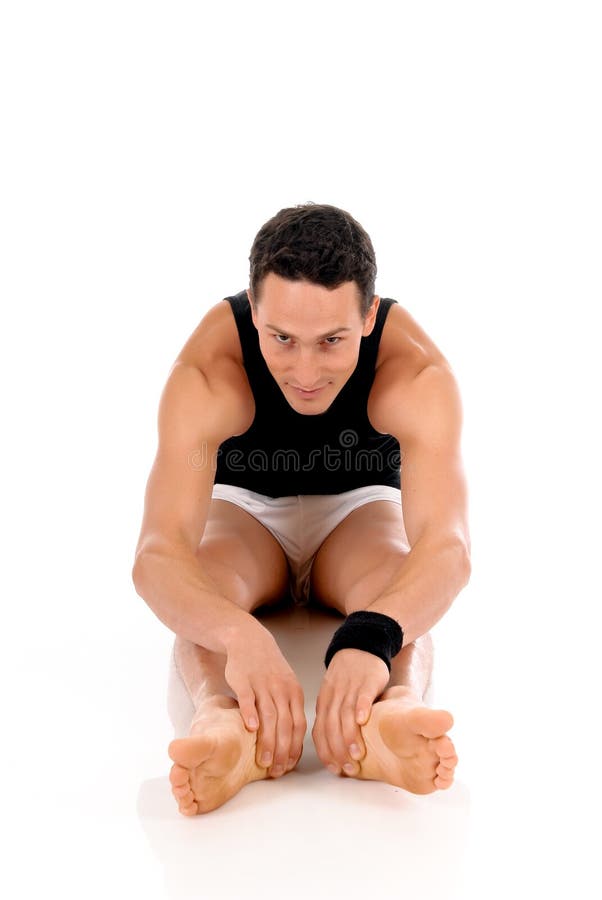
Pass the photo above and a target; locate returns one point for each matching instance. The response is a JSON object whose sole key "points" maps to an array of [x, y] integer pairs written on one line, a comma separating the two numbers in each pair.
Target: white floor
{"points": [[89, 810]]}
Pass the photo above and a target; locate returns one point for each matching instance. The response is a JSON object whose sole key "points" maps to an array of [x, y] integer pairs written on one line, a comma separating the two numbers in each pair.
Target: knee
{"points": [[241, 576], [367, 587], [216, 565]]}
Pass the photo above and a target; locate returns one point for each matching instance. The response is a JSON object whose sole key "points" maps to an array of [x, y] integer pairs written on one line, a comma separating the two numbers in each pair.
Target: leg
{"points": [[248, 567], [405, 742], [202, 673], [349, 580], [412, 668]]}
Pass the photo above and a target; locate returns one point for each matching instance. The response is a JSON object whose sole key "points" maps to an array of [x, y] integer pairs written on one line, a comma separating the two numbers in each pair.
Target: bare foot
{"points": [[214, 762], [406, 744]]}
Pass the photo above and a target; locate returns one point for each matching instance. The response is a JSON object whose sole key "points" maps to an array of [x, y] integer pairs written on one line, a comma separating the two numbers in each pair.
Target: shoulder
{"points": [[404, 342], [426, 409], [214, 350], [214, 338], [411, 371]]}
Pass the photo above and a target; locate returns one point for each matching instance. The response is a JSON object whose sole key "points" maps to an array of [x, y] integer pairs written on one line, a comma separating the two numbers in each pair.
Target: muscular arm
{"points": [[195, 416], [426, 418]]}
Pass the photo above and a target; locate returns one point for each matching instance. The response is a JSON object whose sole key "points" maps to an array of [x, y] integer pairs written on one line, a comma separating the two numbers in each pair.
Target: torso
{"points": [[214, 348]]}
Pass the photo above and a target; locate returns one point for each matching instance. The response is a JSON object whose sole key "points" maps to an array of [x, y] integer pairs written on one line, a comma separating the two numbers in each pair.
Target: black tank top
{"points": [[286, 453]]}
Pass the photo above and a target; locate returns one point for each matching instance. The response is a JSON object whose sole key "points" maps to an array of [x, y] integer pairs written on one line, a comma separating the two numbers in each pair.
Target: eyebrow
{"points": [[320, 336]]}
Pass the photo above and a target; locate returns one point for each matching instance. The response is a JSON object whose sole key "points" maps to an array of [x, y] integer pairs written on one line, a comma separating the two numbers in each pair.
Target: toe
{"points": [[430, 723], [183, 794], [443, 747], [450, 761], [190, 810], [443, 783], [191, 751], [179, 776]]}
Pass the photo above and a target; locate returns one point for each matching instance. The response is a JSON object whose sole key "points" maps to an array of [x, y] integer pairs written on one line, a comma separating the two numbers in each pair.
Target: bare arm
{"points": [[426, 418], [195, 416]]}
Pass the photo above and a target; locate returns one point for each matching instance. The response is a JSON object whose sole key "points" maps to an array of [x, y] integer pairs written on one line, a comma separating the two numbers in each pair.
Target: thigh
{"points": [[242, 558], [360, 557]]}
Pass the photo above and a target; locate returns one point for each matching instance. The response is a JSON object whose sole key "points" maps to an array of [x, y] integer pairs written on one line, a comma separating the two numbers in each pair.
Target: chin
{"points": [[310, 412], [311, 408]]}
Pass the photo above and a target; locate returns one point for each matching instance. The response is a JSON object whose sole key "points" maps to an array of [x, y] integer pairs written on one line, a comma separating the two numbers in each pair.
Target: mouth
{"points": [[307, 394]]}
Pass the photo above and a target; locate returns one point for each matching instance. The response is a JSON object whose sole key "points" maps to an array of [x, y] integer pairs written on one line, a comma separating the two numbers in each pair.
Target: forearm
{"points": [[429, 579], [187, 601]]}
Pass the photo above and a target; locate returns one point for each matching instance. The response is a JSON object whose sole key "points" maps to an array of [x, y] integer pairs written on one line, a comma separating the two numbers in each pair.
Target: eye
{"points": [[285, 336], [337, 339]]}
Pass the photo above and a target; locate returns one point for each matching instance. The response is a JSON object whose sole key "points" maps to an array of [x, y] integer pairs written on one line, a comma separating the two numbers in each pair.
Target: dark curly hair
{"points": [[317, 243]]}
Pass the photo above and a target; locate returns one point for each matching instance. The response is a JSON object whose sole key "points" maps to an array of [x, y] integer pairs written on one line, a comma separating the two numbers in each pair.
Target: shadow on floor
{"points": [[301, 834]]}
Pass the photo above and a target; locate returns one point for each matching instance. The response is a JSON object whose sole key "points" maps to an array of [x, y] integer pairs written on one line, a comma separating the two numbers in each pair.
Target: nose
{"points": [[305, 373]]}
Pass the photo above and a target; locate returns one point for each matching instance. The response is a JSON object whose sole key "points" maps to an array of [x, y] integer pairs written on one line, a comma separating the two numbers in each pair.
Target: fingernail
{"points": [[355, 751], [291, 763], [333, 769], [349, 768], [266, 758]]}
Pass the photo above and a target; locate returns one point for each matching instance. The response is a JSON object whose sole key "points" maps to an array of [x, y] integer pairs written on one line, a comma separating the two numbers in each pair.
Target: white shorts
{"points": [[301, 523]]}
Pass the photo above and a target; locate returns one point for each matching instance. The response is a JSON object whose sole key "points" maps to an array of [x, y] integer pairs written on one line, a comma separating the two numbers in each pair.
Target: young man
{"points": [[293, 421]]}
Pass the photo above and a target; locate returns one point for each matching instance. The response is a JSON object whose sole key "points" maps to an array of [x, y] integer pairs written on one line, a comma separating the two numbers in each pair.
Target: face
{"points": [[310, 338]]}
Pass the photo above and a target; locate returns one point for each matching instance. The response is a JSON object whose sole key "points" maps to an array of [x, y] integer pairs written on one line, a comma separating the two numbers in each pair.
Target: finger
{"points": [[284, 734], [345, 732], [299, 727], [334, 733], [328, 756], [248, 710], [364, 708], [266, 737], [318, 734], [352, 735]]}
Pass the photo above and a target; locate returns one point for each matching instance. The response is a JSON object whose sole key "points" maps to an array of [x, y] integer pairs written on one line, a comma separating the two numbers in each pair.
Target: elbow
{"points": [[458, 555], [138, 573]]}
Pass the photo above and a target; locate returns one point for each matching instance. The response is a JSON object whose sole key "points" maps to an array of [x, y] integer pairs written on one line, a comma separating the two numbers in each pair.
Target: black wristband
{"points": [[370, 631]]}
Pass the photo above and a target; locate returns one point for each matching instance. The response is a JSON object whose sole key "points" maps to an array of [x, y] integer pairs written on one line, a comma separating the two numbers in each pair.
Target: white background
{"points": [[143, 145]]}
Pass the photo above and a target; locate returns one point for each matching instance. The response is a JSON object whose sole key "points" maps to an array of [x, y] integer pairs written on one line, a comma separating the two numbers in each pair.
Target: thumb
{"points": [[363, 708], [249, 712]]}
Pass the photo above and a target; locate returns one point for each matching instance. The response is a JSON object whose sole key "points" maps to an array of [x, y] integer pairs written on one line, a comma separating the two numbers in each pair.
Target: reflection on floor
{"points": [[301, 834]]}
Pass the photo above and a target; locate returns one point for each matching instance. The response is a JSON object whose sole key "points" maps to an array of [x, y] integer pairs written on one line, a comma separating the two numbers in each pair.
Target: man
{"points": [[293, 421]]}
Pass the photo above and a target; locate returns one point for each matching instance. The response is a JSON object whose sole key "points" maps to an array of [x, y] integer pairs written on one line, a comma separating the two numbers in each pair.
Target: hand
{"points": [[353, 680], [269, 693]]}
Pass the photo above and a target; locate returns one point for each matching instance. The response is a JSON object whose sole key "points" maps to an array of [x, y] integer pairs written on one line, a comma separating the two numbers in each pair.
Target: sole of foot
{"points": [[407, 745], [213, 763]]}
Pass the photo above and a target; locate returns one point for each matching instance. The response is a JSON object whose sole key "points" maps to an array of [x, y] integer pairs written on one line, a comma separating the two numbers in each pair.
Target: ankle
{"points": [[208, 707], [402, 692]]}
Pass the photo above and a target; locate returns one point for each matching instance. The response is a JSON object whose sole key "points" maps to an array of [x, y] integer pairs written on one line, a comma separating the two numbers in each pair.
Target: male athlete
{"points": [[294, 420]]}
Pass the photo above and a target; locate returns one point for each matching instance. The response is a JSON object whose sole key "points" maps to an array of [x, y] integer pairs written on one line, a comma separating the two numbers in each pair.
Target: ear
{"points": [[370, 319]]}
